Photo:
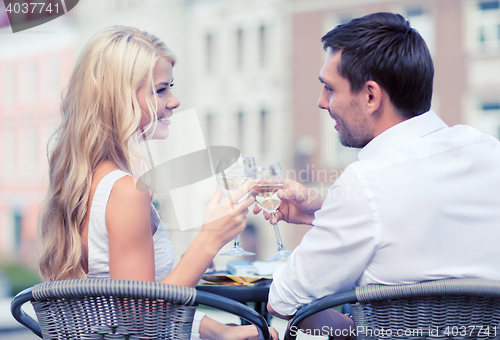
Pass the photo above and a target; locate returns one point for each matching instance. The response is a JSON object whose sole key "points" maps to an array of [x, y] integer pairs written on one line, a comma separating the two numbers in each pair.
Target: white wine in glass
{"points": [[228, 184], [231, 174], [270, 181], [266, 196]]}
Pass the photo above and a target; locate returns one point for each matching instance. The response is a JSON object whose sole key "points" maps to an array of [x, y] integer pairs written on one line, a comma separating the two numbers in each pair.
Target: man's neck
{"points": [[387, 117]]}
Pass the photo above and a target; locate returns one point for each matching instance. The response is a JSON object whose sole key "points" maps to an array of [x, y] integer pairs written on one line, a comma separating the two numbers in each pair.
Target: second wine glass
{"points": [[271, 180], [231, 174]]}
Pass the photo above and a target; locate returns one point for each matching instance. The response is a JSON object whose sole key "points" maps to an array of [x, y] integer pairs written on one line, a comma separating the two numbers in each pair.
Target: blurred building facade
{"points": [[250, 69], [239, 61], [32, 74]]}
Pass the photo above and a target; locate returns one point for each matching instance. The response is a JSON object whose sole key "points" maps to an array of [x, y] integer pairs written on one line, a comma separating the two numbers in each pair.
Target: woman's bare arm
{"points": [[128, 219]]}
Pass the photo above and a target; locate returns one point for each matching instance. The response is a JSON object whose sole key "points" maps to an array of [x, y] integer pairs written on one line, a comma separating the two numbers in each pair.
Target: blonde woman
{"points": [[94, 222]]}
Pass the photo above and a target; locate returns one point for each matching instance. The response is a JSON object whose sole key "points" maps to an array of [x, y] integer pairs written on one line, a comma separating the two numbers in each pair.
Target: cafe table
{"points": [[255, 292]]}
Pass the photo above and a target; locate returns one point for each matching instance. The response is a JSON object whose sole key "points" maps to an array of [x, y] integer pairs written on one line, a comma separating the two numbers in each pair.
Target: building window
{"points": [[491, 106], [9, 84], [263, 131], [422, 21], [9, 151], [18, 219], [209, 122], [31, 156], [239, 49], [241, 131], [488, 25], [54, 76], [488, 5], [209, 52], [31, 81], [262, 46], [490, 117]]}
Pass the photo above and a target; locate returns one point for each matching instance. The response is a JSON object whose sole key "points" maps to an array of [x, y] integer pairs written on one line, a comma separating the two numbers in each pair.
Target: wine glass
{"points": [[231, 174], [270, 178]]}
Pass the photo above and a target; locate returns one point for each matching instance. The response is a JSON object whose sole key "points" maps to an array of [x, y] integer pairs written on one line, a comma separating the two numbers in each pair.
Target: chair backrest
{"points": [[441, 309], [113, 309], [118, 309]]}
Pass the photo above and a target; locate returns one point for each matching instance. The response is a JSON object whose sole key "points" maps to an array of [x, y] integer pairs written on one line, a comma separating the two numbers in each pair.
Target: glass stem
{"points": [[277, 233], [237, 242]]}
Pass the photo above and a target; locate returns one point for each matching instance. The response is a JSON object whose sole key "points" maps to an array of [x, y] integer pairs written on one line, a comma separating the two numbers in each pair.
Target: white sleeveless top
{"points": [[99, 248], [98, 235]]}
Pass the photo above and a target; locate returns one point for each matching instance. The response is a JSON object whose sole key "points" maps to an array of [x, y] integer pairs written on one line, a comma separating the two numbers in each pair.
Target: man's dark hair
{"points": [[384, 48]]}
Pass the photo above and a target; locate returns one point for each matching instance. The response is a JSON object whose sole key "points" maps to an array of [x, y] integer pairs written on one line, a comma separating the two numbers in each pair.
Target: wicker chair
{"points": [[441, 309], [118, 309]]}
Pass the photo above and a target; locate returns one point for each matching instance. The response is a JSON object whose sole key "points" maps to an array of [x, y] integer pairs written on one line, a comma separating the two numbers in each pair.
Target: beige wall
{"points": [[449, 60]]}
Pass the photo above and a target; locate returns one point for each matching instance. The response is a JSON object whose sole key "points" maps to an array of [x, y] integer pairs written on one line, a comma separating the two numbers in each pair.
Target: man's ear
{"points": [[373, 96]]}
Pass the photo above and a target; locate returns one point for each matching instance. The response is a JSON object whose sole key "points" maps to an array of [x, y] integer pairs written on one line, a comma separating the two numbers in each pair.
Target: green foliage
{"points": [[19, 276]]}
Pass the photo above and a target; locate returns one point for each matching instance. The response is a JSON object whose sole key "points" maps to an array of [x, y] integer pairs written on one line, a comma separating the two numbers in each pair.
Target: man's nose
{"points": [[322, 101]]}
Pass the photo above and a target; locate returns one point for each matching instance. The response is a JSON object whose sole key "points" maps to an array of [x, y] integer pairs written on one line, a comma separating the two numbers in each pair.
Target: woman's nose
{"points": [[173, 103]]}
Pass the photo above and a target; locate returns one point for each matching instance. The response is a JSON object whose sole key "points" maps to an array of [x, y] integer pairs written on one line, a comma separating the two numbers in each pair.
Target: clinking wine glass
{"points": [[231, 174], [271, 180]]}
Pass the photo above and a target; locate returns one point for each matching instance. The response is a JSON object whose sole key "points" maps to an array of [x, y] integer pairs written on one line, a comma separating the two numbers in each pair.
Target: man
{"points": [[422, 201]]}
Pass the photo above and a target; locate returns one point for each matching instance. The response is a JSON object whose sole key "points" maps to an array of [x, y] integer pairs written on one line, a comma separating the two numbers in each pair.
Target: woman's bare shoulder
{"points": [[126, 204], [126, 189], [126, 195]]}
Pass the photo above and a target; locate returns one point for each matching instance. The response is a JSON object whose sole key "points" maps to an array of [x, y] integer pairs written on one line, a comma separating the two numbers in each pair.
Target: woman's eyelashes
{"points": [[164, 89]]}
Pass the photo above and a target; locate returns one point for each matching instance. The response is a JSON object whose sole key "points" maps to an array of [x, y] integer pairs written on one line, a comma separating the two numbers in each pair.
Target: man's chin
{"points": [[353, 144]]}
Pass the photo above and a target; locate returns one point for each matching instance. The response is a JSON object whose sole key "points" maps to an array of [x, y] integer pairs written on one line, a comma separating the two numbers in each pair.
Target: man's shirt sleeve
{"points": [[334, 253]]}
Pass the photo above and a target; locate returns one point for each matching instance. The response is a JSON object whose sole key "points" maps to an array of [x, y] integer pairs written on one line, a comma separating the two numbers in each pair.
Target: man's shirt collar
{"points": [[413, 128]]}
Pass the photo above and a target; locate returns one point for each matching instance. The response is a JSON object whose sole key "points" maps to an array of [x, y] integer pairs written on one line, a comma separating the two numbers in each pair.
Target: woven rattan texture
{"points": [[430, 317], [113, 309], [113, 318], [106, 287], [478, 287]]}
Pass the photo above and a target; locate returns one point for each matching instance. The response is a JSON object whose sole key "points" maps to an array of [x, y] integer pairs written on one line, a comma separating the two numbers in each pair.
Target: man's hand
{"points": [[298, 204]]}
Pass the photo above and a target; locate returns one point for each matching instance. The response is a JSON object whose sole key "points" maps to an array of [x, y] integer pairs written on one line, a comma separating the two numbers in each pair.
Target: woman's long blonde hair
{"points": [[100, 113]]}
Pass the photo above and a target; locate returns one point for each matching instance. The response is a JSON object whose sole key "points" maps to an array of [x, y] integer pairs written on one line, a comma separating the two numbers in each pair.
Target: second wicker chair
{"points": [[441, 309]]}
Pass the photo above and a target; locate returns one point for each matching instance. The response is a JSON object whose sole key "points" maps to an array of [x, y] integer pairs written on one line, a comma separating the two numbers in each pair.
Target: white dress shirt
{"points": [[422, 203]]}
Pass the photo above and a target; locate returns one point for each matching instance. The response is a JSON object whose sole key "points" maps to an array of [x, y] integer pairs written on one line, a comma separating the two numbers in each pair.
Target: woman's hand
{"points": [[298, 204], [223, 221], [214, 330], [244, 333]]}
